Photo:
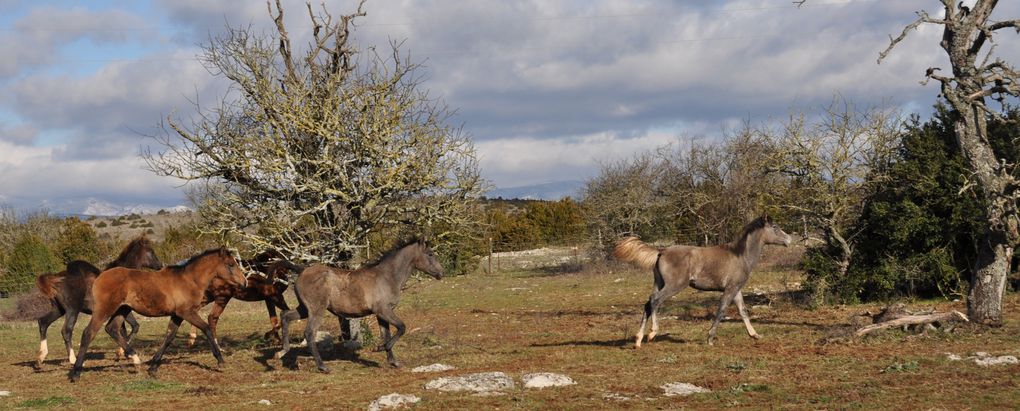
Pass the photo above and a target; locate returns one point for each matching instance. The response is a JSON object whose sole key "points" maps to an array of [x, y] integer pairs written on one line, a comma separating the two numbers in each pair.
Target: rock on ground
{"points": [[682, 388], [545, 379], [265, 402], [984, 360], [392, 401], [432, 368], [480, 382], [5, 393]]}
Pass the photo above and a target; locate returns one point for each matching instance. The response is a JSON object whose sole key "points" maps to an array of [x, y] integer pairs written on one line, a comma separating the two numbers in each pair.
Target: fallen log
{"points": [[912, 320]]}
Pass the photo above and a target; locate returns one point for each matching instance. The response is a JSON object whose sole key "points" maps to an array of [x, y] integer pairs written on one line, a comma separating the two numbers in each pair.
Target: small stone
{"points": [[432, 368], [479, 382], [682, 388], [545, 379], [981, 354], [953, 357], [265, 402], [392, 401], [5, 393], [615, 397]]}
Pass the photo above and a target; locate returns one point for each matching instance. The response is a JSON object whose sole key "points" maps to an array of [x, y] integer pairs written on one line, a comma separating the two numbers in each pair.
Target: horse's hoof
{"points": [[323, 369], [37, 367], [756, 336], [379, 348], [395, 364], [279, 354], [74, 375], [152, 372]]}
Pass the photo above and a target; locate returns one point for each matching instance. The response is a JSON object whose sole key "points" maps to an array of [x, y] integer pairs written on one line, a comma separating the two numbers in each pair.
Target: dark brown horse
{"points": [[70, 293], [725, 267], [174, 291], [267, 280], [374, 289]]}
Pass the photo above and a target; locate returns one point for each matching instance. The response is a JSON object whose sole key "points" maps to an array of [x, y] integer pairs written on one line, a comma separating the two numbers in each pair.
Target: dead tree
{"points": [[968, 34]]}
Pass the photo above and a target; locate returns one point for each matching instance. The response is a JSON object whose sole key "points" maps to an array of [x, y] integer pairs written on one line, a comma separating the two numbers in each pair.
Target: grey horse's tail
{"points": [[633, 250]]}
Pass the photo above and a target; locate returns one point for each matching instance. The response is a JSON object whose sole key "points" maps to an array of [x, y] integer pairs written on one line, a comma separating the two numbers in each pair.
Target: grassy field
{"points": [[549, 320]]}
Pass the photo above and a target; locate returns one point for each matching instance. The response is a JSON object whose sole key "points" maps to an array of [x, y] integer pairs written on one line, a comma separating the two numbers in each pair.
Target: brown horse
{"points": [[725, 267], [70, 293], [175, 291], [266, 282], [374, 289]]}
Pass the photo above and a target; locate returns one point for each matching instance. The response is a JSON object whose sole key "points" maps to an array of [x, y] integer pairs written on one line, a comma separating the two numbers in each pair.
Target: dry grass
{"points": [[580, 324]]}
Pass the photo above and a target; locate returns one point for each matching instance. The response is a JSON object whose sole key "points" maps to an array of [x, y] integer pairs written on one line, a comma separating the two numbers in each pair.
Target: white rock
{"points": [[545, 379], [392, 401], [981, 354], [480, 382], [265, 402], [5, 393], [1005, 359], [682, 388], [432, 368], [615, 397], [953, 357]]}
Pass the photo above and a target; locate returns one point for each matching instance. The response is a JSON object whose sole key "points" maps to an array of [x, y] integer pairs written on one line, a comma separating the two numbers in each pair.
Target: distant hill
{"points": [[555, 190]]}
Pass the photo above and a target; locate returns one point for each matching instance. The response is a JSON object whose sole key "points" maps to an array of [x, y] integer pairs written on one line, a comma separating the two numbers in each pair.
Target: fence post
{"points": [[490, 255]]}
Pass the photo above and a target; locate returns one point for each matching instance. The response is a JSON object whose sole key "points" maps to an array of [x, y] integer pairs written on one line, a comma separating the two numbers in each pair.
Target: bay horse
{"points": [[174, 291], [70, 293], [373, 289], [724, 267], [266, 282]]}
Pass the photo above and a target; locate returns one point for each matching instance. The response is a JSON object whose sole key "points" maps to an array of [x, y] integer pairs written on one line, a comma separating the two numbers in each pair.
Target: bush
{"points": [[101, 224], [77, 241], [29, 258]]}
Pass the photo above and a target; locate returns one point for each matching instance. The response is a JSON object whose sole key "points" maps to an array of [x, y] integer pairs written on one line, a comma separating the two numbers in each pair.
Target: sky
{"points": [[547, 89]]}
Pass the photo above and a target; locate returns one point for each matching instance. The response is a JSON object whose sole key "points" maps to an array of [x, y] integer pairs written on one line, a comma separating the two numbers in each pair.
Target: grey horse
{"points": [[724, 267]]}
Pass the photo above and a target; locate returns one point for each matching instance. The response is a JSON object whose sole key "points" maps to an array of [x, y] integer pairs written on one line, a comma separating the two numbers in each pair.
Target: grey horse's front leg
{"points": [[739, 300], [727, 296]]}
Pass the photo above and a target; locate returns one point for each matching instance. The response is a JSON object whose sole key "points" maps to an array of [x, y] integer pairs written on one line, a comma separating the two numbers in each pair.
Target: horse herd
{"points": [[138, 282]]}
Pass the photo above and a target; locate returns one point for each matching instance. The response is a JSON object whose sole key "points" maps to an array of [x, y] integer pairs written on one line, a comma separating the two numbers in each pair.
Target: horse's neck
{"points": [[397, 266], [748, 248], [195, 273]]}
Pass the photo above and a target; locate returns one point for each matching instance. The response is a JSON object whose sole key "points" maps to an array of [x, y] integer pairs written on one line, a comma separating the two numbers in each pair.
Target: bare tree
{"points": [[312, 152], [977, 74], [622, 199], [836, 162]]}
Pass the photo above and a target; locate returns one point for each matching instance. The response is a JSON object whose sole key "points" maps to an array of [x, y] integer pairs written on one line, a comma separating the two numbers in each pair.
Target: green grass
{"points": [[54, 401], [522, 321]]}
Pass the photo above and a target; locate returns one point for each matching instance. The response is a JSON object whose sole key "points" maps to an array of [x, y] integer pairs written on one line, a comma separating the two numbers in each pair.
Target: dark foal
{"points": [[374, 289], [174, 291], [266, 282], [724, 267], [70, 293]]}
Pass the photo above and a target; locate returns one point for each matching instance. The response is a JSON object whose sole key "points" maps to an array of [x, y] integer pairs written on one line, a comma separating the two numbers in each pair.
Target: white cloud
{"points": [[528, 160], [32, 176]]}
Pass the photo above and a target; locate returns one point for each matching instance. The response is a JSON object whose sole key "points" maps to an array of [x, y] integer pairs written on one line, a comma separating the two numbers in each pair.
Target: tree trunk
{"points": [[984, 304]]}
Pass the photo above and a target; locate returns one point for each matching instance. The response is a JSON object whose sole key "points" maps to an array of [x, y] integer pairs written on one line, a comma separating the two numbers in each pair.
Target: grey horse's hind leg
{"points": [[314, 320], [739, 300], [285, 319], [664, 294], [727, 297], [651, 311]]}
